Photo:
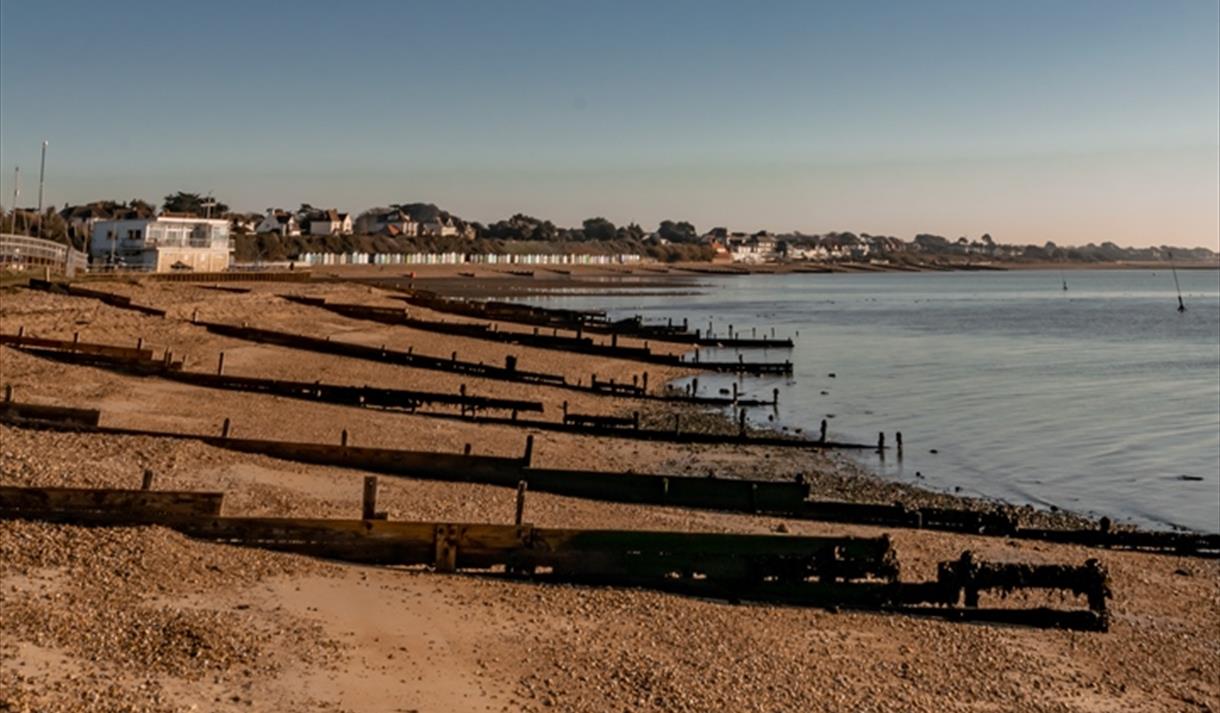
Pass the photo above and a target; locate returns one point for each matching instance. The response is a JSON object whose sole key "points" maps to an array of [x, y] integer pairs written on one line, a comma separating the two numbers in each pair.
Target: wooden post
{"points": [[8, 393], [694, 386], [529, 450], [76, 338], [369, 501], [741, 423], [645, 382], [677, 423], [881, 443], [446, 548], [521, 487], [220, 365], [148, 480], [510, 362], [224, 428], [21, 331], [823, 438], [453, 357], [343, 438], [898, 442], [684, 326], [635, 420], [775, 397], [614, 340], [194, 316], [565, 410], [734, 392], [466, 449], [140, 343]]}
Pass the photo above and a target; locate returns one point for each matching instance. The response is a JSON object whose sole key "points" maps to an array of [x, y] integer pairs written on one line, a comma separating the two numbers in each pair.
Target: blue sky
{"points": [[1065, 121]]}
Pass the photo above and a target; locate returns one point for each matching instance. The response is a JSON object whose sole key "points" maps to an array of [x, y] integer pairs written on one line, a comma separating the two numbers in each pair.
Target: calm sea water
{"points": [[1101, 399]]}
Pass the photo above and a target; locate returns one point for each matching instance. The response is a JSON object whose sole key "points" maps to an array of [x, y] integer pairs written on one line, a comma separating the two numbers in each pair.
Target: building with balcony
{"points": [[161, 244]]}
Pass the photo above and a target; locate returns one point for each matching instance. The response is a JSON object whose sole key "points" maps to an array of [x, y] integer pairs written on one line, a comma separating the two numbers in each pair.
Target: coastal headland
{"points": [[145, 618]]}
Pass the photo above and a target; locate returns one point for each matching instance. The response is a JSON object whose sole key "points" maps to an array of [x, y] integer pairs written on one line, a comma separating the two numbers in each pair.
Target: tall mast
{"points": [[1181, 304]]}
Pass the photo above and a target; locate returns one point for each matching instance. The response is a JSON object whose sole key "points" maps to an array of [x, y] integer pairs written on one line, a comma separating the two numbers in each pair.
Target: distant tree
{"points": [[142, 207], [677, 232], [193, 203], [599, 229], [631, 231]]}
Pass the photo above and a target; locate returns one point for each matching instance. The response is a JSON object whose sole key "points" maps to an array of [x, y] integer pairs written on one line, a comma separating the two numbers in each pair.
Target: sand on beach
{"points": [[146, 619]]}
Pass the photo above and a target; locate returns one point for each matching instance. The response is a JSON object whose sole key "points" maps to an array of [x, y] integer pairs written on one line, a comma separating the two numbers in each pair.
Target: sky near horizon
{"points": [[1075, 122]]}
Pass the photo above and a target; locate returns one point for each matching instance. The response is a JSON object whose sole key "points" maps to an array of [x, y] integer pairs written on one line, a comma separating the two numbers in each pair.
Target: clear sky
{"points": [[1066, 120]]}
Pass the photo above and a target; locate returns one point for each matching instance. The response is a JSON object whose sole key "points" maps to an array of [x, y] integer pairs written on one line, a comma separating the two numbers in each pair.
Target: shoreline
{"points": [[170, 622]]}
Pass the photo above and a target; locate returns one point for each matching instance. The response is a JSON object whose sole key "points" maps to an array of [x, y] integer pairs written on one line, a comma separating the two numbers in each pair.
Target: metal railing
{"points": [[22, 251]]}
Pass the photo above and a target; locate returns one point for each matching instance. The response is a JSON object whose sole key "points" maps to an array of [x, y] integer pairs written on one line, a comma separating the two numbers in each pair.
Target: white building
{"points": [[386, 221], [759, 247], [439, 228], [280, 222], [161, 244], [330, 222]]}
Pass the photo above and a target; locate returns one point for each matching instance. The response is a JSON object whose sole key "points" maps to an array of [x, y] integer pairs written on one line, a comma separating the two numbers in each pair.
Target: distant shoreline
{"points": [[467, 277]]}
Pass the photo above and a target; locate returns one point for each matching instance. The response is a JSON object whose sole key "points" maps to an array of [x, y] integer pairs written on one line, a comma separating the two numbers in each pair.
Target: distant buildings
{"points": [[161, 244], [386, 221], [280, 222], [439, 227], [328, 222], [759, 247]]}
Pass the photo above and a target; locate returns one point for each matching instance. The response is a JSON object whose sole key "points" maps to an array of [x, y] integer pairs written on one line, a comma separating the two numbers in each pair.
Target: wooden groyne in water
{"points": [[835, 571], [141, 359], [581, 321], [777, 498], [577, 344]]}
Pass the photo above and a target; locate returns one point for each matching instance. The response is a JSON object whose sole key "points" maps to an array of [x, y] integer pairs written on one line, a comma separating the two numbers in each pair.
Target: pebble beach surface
{"points": [[143, 619]]}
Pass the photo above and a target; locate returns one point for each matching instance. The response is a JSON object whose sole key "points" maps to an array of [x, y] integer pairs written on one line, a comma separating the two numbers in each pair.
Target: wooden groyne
{"points": [[593, 322], [777, 498], [509, 372], [577, 344], [110, 298], [827, 571], [140, 358], [360, 396], [471, 408]]}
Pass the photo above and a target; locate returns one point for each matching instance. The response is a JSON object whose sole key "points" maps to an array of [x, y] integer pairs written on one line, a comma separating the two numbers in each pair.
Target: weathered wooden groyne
{"points": [[582, 321], [509, 372], [776, 498], [110, 298], [361, 396], [472, 408], [141, 359], [825, 571], [577, 344]]}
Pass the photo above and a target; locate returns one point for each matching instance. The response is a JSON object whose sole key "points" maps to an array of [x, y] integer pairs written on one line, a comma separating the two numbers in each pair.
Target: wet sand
{"points": [[144, 619]]}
